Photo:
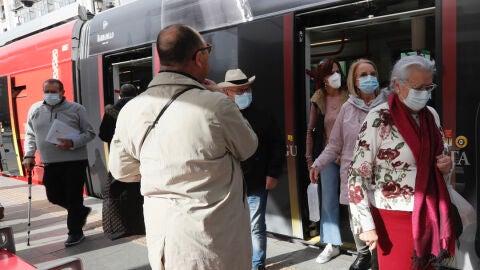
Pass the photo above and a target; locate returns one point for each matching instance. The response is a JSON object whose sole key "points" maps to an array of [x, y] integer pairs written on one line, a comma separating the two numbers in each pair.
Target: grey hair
{"points": [[402, 67]]}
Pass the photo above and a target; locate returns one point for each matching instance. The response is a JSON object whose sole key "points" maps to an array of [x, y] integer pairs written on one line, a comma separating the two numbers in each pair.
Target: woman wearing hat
{"points": [[325, 106]]}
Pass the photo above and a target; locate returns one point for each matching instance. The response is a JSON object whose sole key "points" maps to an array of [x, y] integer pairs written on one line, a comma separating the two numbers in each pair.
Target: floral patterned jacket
{"points": [[383, 169]]}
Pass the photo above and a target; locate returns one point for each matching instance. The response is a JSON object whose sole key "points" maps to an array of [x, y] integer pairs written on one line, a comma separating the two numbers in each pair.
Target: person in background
{"points": [[122, 209], [365, 94], [196, 215], [107, 127], [261, 171], [325, 106], [398, 198], [66, 160]]}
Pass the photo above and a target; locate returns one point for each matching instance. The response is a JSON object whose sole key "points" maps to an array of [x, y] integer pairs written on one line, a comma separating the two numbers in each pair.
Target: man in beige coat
{"points": [[196, 214]]}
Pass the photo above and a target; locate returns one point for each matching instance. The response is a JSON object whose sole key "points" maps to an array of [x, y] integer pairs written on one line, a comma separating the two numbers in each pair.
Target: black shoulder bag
{"points": [[161, 112]]}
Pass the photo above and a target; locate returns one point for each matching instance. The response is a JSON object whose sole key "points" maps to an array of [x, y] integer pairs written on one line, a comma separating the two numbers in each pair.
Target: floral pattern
{"points": [[382, 172], [355, 194]]}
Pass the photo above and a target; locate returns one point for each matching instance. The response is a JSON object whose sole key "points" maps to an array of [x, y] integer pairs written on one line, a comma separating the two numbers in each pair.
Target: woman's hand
{"points": [[444, 164], [370, 238], [314, 175]]}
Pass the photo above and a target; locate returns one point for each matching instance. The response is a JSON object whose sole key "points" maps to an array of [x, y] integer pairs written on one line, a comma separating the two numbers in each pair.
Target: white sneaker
{"points": [[327, 254]]}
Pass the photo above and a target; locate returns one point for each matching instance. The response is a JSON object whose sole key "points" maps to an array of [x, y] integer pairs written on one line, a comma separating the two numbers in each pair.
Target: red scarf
{"points": [[431, 223]]}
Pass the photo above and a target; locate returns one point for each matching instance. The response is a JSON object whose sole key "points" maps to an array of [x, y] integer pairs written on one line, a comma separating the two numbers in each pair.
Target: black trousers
{"points": [[64, 185]]}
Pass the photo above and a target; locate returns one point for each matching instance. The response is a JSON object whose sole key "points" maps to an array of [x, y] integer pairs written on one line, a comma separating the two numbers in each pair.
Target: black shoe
{"points": [[259, 267], [362, 262], [74, 239], [86, 212]]}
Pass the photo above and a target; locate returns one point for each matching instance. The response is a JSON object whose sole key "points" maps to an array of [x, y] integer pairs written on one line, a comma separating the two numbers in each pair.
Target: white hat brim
{"points": [[229, 84]]}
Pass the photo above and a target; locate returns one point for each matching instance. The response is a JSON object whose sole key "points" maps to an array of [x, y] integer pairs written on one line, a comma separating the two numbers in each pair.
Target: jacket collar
{"points": [[168, 77]]}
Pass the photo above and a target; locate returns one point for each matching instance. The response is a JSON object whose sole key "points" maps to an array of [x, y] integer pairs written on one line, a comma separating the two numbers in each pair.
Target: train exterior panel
{"points": [[29, 62]]}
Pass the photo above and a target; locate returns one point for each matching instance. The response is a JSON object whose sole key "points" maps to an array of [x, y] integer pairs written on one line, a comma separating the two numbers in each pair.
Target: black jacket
{"points": [[109, 121], [270, 154]]}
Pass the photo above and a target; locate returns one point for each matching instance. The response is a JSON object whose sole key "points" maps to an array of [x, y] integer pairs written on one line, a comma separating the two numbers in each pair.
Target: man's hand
{"points": [[212, 86], [65, 144], [28, 163], [370, 238], [271, 183], [444, 164], [314, 175]]}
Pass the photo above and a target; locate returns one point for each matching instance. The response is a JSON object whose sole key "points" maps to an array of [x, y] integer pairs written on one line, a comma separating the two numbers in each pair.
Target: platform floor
{"points": [[48, 232]]}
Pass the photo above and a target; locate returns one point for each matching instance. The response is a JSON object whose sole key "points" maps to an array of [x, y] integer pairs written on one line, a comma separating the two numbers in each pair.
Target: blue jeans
{"points": [[330, 205], [257, 202]]}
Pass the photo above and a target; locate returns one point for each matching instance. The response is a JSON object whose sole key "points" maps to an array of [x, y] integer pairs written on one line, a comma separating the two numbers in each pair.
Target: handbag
{"points": [[313, 209], [463, 212]]}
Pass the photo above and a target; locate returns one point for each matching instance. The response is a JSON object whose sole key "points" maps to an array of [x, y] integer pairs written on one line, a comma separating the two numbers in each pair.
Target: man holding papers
{"points": [[59, 130]]}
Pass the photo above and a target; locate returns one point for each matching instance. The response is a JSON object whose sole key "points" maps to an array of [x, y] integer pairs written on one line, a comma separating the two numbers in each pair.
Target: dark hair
{"points": [[324, 69], [177, 47], [54, 81], [128, 90]]}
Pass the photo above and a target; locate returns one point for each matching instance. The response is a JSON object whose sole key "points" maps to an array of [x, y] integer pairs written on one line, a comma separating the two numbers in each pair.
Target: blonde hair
{"points": [[352, 75]]}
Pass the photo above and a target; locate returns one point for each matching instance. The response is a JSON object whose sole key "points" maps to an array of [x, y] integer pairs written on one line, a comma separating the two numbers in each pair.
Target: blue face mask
{"points": [[368, 84], [243, 101], [51, 98]]}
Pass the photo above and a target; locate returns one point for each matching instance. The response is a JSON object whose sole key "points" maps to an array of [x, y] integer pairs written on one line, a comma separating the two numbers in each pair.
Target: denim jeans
{"points": [[330, 205], [257, 202]]}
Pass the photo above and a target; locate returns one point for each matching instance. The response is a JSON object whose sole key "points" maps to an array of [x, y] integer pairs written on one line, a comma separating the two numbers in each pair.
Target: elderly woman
{"points": [[397, 192], [365, 94]]}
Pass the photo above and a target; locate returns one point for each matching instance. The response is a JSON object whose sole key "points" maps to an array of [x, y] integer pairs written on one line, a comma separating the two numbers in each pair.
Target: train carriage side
{"points": [[24, 65]]}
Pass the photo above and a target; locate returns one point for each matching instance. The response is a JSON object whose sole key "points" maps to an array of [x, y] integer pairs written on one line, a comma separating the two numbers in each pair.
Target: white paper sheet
{"points": [[60, 130]]}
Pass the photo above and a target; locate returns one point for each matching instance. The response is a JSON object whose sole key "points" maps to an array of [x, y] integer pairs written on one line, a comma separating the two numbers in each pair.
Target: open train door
{"points": [[10, 160]]}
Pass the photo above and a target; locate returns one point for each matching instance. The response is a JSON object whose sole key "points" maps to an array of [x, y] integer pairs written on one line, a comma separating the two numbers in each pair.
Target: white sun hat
{"points": [[235, 77]]}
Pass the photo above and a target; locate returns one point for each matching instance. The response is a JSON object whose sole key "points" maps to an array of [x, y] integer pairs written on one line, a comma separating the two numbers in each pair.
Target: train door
{"points": [[381, 31], [10, 163], [132, 67], [101, 77]]}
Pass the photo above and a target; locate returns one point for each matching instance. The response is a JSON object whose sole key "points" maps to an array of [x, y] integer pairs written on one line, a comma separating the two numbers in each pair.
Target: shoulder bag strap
{"points": [[161, 112]]}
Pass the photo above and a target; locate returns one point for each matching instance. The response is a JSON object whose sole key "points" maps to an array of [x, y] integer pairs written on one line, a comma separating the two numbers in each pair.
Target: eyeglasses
{"points": [[239, 91], [208, 48], [428, 88]]}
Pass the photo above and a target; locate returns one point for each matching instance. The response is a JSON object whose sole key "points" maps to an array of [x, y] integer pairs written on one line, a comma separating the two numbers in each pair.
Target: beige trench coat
{"points": [[196, 215]]}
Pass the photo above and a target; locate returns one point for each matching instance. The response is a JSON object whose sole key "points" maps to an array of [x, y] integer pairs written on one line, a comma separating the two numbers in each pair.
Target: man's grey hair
{"points": [[402, 67]]}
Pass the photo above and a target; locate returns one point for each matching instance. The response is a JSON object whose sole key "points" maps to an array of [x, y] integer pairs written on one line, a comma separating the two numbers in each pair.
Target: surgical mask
{"points": [[417, 99], [368, 84], [244, 100], [335, 80], [51, 98]]}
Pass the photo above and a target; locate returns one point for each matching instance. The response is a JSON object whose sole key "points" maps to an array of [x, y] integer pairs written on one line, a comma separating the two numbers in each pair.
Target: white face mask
{"points": [[417, 99], [335, 80]]}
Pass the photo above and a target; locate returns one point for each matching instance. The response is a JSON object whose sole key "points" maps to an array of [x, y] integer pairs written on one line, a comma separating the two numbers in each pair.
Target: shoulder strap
{"points": [[161, 112]]}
